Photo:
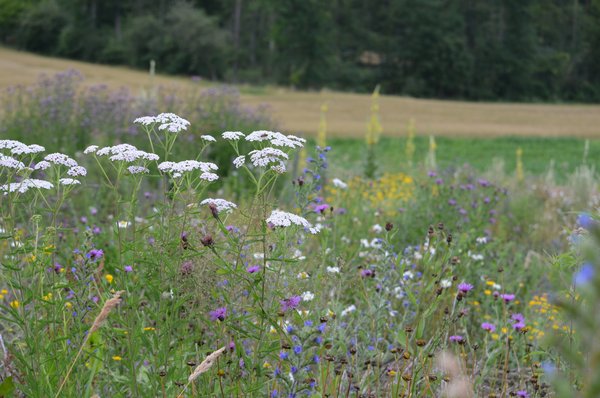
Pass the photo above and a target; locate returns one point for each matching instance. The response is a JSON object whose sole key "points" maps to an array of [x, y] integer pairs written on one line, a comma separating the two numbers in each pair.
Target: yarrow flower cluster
{"points": [[18, 148], [11, 163], [166, 121], [123, 152], [284, 219], [276, 139], [221, 205], [25, 185], [177, 169]]}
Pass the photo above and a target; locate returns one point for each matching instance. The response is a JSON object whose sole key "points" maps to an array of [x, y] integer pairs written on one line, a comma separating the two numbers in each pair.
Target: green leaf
{"points": [[7, 387]]}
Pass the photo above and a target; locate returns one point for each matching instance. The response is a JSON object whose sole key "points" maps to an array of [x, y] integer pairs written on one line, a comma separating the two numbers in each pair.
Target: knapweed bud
{"points": [[389, 226], [449, 239], [207, 241]]}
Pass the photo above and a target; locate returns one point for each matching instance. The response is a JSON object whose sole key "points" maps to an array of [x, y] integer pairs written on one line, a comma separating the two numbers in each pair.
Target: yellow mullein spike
{"points": [[519, 170]]}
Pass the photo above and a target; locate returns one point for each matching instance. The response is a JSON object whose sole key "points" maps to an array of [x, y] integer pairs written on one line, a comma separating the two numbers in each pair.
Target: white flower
{"points": [[339, 183], [77, 171], [348, 310], [275, 138], [307, 296], [208, 138], [132, 156], [284, 219], [279, 168], [298, 255], [239, 161], [68, 181], [167, 121], [482, 240], [187, 166], [123, 224], [377, 228], [303, 275], [258, 256], [220, 204], [91, 149], [408, 275], [476, 257], [266, 156], [61, 160], [25, 185], [209, 177], [10, 144], [27, 149], [333, 270], [11, 163], [43, 165], [232, 135], [445, 283], [137, 169], [496, 286]]}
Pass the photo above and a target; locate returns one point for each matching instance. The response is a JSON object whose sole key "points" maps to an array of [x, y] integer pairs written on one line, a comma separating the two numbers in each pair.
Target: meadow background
{"points": [[242, 209]]}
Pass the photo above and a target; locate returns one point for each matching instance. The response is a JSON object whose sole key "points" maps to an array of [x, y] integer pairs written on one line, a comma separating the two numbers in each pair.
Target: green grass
{"points": [[538, 153]]}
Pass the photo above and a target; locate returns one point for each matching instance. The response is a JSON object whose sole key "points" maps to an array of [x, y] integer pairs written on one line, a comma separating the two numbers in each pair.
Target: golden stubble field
{"points": [[299, 112]]}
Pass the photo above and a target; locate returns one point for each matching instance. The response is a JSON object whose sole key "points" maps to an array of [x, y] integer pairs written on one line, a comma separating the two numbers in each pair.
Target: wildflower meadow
{"points": [[180, 246]]}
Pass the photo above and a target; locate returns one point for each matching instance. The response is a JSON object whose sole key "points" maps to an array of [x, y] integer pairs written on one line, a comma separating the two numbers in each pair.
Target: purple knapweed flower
{"points": [[456, 339], [95, 254], [252, 269], [517, 317], [465, 287], [488, 327], [218, 314], [321, 208], [522, 394], [507, 297], [290, 303], [128, 268]]}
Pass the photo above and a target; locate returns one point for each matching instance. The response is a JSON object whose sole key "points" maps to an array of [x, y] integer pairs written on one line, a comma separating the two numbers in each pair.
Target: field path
{"points": [[299, 112]]}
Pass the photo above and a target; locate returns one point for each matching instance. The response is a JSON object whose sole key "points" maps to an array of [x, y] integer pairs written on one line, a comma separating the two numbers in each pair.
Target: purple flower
{"points": [[321, 208], [456, 339], [584, 275], [465, 287], [507, 297], [253, 268], [290, 303], [522, 393], [517, 317], [432, 174], [297, 349], [488, 327], [95, 254], [367, 273], [519, 325], [283, 355], [218, 314], [128, 268]]}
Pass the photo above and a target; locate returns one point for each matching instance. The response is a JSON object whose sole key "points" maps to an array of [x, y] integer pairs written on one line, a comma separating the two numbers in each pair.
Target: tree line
{"points": [[518, 50]]}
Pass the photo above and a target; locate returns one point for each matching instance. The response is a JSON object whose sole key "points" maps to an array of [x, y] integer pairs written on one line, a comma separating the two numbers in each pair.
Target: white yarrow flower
{"points": [[220, 204], [77, 171], [25, 185], [348, 310], [333, 270], [232, 135], [339, 183], [284, 219], [69, 181], [61, 159], [208, 138], [239, 161], [11, 163], [91, 149], [138, 169], [307, 296]]}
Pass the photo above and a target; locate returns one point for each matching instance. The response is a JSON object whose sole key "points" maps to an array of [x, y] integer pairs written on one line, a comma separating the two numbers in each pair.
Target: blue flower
{"points": [[585, 275], [297, 349], [585, 220]]}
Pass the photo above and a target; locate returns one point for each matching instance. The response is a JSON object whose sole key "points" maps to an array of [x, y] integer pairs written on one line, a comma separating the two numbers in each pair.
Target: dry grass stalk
{"points": [[202, 368], [108, 306], [206, 364], [459, 386]]}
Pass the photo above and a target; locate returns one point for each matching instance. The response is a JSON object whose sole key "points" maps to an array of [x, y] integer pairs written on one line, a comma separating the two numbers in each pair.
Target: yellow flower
{"points": [[109, 278], [15, 304], [149, 329], [4, 291], [266, 365], [116, 358], [1, 297], [487, 292], [392, 373], [495, 336], [68, 305], [47, 297]]}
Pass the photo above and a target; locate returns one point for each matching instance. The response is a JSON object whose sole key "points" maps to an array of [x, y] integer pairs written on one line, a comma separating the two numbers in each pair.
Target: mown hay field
{"points": [[347, 113]]}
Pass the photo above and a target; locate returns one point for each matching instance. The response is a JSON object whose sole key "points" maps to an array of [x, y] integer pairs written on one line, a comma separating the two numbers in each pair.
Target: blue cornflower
{"points": [[585, 275], [584, 220], [297, 349]]}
